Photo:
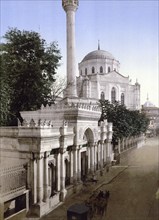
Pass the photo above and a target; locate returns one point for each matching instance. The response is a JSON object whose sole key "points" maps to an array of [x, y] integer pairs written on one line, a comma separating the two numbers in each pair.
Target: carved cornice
{"points": [[40, 123]]}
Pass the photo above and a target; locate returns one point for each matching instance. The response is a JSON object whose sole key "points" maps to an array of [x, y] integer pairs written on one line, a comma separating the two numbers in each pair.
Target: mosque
{"points": [[45, 159], [99, 78], [152, 112]]}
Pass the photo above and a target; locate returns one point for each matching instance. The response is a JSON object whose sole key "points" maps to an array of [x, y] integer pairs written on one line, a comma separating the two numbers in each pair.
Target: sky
{"points": [[128, 29]]}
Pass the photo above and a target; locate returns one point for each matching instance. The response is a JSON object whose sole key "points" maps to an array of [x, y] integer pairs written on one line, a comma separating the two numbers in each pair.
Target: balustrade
{"points": [[13, 179]]}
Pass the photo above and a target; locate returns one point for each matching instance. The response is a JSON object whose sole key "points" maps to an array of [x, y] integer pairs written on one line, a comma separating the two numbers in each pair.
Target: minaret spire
{"points": [[70, 7], [98, 45], [147, 97]]}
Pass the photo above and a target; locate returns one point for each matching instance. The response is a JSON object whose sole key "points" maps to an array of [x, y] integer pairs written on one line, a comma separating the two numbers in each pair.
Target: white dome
{"points": [[148, 104], [98, 54]]}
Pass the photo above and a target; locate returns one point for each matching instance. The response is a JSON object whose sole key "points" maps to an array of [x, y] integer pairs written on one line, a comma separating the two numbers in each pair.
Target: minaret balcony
{"points": [[70, 4]]}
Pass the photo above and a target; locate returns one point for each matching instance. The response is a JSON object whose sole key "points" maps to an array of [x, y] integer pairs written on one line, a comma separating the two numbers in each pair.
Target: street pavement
{"points": [[132, 186]]}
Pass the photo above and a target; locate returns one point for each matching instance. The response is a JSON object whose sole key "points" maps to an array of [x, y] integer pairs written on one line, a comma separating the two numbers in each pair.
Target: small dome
{"points": [[98, 54], [148, 104]]}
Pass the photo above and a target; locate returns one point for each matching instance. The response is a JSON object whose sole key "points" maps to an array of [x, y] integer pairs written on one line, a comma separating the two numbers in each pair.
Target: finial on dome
{"points": [[147, 97], [98, 45]]}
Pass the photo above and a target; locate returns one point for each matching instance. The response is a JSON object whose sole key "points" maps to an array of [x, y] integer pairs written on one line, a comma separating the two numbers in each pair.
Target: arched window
{"points": [[81, 72], [101, 69], [122, 99], [102, 96], [93, 69], [113, 95], [108, 69], [85, 71]]}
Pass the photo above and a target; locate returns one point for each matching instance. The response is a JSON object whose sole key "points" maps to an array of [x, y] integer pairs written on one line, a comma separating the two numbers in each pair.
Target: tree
{"points": [[58, 88], [4, 93], [29, 64], [126, 123]]}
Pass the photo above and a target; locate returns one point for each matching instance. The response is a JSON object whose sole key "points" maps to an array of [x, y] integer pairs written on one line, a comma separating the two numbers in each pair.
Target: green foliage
{"points": [[126, 123], [4, 93], [29, 66]]}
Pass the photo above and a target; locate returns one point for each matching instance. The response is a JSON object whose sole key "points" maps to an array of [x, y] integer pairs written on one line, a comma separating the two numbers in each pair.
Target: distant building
{"points": [[152, 113], [99, 78]]}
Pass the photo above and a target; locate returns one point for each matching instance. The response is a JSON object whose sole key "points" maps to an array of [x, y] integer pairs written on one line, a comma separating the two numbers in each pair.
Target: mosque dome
{"points": [[98, 62], [148, 104], [98, 54]]}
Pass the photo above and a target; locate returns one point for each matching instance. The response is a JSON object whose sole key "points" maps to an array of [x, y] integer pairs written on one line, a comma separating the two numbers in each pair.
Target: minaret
{"points": [[70, 7], [98, 45]]}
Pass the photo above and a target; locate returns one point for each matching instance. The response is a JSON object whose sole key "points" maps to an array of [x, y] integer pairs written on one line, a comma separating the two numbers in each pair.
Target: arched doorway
{"points": [[84, 165], [52, 177], [88, 140], [67, 172]]}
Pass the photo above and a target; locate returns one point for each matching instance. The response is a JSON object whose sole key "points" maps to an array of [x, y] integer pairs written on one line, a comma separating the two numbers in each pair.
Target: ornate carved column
{"points": [[95, 156], [101, 154], [46, 155], [92, 157], [71, 166], [75, 164], [58, 168], [88, 151], [63, 176], [103, 127], [104, 152], [109, 139], [107, 151], [98, 153], [79, 164], [40, 157], [34, 178]]}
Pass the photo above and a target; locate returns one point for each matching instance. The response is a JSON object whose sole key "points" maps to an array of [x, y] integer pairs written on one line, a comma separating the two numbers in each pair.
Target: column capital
{"points": [[62, 150], [37, 156], [79, 147], [46, 154], [91, 144], [75, 147], [101, 141], [95, 144]]}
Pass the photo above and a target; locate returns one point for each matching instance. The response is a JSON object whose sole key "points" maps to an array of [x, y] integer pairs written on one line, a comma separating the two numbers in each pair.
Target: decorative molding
{"points": [[37, 156], [71, 106], [41, 123]]}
